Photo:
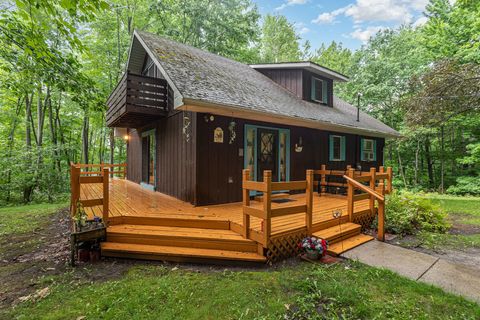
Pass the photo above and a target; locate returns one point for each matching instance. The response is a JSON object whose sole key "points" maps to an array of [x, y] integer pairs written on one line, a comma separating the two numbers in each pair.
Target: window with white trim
{"points": [[368, 151], [319, 90]]}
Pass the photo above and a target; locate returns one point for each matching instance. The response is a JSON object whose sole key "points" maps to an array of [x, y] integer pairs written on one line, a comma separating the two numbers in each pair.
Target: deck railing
{"points": [[79, 177], [266, 212], [115, 169]]}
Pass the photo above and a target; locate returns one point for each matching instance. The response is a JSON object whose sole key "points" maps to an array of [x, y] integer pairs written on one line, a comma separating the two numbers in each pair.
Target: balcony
{"points": [[137, 100]]}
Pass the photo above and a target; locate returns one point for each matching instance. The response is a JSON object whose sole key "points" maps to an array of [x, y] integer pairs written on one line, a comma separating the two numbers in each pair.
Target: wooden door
{"points": [[267, 153]]}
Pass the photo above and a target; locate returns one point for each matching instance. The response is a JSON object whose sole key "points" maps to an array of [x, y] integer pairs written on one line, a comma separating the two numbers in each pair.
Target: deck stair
{"points": [[178, 242], [343, 237]]}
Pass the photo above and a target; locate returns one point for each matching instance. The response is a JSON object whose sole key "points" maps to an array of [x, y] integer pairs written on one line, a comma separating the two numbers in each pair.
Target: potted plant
{"points": [[80, 216], [313, 247]]}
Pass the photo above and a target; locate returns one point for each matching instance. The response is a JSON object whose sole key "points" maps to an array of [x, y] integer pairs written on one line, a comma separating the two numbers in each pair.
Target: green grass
{"points": [[306, 291], [26, 218], [457, 204]]}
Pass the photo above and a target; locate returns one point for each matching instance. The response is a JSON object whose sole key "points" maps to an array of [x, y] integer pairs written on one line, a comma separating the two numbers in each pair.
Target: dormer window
{"points": [[319, 90]]}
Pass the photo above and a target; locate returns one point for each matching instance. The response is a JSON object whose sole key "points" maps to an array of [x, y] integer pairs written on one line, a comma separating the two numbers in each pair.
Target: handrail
{"points": [[364, 188]]}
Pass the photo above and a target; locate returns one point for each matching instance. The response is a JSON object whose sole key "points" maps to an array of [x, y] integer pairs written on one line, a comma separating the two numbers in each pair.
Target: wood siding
{"points": [[290, 79], [219, 165], [175, 157]]}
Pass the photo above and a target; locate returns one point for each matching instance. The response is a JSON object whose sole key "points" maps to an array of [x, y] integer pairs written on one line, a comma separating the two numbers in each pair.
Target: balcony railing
{"points": [[137, 100]]}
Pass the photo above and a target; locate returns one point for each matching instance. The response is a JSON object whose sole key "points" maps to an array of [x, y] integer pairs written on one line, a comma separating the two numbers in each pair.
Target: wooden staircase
{"points": [[179, 240], [343, 237]]}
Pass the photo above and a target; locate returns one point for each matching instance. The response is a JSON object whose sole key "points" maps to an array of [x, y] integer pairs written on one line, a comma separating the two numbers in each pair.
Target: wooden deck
{"points": [[128, 199]]}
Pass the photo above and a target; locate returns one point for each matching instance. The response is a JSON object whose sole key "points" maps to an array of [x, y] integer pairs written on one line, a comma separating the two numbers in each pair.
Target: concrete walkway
{"points": [[452, 277]]}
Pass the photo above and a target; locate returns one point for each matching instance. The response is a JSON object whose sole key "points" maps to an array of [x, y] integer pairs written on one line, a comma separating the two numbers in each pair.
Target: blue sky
{"points": [[351, 22]]}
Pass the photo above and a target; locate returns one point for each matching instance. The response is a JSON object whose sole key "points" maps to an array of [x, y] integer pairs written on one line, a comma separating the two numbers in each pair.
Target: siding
{"points": [[290, 79], [217, 162]]}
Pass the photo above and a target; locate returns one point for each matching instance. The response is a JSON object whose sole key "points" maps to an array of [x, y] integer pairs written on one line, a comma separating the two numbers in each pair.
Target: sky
{"points": [[351, 22]]}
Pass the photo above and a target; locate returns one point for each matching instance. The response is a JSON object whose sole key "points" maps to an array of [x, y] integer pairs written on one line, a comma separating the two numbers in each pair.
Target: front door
{"points": [[267, 153], [148, 159]]}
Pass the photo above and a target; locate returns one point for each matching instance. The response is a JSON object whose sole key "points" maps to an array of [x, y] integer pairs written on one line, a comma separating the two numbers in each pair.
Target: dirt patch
{"points": [[460, 228]]}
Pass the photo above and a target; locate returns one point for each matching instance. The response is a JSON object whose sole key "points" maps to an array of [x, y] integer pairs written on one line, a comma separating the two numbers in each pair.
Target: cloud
{"points": [[400, 11], [301, 28], [290, 3], [420, 21], [365, 34]]}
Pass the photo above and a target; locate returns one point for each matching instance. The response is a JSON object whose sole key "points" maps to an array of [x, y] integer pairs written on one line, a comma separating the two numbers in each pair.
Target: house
{"points": [[236, 162], [211, 117]]}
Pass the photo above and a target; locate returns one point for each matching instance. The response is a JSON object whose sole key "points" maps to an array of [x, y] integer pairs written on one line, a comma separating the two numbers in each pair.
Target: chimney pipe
{"points": [[359, 95]]}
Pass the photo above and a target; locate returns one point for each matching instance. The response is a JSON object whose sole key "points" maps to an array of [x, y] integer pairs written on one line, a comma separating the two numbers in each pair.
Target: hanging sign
{"points": [[218, 135]]}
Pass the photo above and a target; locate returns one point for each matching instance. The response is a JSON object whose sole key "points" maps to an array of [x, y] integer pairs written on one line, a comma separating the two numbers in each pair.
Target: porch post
{"points": [[105, 196], [246, 202], [267, 206], [381, 215], [323, 179], [372, 186], [350, 192], [390, 178], [309, 199]]}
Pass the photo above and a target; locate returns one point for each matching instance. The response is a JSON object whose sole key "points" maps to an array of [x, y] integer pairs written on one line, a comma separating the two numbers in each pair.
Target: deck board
{"points": [[130, 199]]}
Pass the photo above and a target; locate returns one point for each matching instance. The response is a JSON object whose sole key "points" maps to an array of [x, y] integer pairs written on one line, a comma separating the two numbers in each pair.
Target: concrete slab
{"points": [[455, 278], [405, 262]]}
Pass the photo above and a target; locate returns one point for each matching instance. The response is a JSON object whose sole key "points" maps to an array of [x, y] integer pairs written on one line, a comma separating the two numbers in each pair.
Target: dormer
{"points": [[307, 80]]}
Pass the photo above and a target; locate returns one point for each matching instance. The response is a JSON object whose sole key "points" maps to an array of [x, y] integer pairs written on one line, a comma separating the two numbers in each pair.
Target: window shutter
{"points": [[324, 92], [330, 149], [342, 148], [362, 158], [375, 150], [312, 91]]}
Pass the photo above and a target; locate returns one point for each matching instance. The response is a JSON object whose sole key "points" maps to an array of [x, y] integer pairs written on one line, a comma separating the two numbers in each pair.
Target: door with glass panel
{"points": [[148, 158]]}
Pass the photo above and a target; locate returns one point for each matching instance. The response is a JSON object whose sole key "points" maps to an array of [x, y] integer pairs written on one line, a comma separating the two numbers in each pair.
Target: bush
{"points": [[408, 213], [466, 186]]}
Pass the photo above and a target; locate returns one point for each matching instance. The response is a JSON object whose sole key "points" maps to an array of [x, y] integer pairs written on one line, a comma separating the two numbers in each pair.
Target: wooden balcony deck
{"points": [[128, 199]]}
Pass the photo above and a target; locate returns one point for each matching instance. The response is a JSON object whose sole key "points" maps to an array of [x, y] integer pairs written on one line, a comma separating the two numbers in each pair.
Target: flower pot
{"points": [[94, 256], [313, 254], [83, 255]]}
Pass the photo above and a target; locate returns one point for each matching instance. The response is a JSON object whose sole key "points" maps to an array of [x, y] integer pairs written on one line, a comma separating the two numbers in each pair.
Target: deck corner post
{"points": [[246, 203], [381, 215], [390, 178], [75, 187], [267, 206], [323, 180], [350, 194], [106, 200], [373, 180], [309, 198]]}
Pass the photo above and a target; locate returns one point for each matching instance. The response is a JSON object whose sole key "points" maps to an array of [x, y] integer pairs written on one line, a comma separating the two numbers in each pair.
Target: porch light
{"points": [[125, 137]]}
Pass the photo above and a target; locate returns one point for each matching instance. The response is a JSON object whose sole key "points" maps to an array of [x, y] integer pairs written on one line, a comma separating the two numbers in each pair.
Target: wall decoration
{"points": [[218, 135], [186, 127], [299, 145], [233, 134]]}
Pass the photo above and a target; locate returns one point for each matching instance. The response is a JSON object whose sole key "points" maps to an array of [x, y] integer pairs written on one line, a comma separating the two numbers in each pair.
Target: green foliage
{"points": [[279, 40], [469, 185], [408, 213]]}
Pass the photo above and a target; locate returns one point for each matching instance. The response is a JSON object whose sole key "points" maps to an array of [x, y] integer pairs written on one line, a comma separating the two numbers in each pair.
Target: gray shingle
{"points": [[203, 76]]}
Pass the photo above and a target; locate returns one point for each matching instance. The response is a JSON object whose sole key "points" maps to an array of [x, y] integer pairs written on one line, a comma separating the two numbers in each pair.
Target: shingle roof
{"points": [[205, 77]]}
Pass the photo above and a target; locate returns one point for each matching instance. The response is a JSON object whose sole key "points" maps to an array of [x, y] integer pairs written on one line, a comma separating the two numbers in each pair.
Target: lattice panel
{"points": [[365, 220], [284, 246]]}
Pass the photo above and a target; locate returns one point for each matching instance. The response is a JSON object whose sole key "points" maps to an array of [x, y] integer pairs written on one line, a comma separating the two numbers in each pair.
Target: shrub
{"points": [[466, 186], [408, 213]]}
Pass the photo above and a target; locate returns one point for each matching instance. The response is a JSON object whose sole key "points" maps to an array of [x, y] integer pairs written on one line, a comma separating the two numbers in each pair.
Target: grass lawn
{"points": [[142, 290], [22, 219], [464, 212]]}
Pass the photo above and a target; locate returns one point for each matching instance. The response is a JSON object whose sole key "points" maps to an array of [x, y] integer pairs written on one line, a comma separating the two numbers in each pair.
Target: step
{"points": [[181, 237], [347, 244], [339, 232], [205, 223], [178, 254], [274, 196]]}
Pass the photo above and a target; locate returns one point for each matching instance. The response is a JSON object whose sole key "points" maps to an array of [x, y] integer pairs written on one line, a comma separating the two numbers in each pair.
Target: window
{"points": [[319, 90], [368, 150], [337, 148]]}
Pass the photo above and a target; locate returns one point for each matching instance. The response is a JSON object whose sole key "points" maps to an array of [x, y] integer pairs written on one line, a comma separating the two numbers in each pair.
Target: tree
{"points": [[279, 41]]}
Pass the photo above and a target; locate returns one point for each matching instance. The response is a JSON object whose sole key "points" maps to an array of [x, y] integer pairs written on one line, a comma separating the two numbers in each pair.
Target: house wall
{"points": [[175, 158], [290, 79], [219, 165]]}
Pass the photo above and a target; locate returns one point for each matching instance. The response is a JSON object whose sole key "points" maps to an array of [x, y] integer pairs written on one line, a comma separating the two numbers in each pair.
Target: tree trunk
{"points": [[85, 139], [428, 158], [442, 159], [417, 151]]}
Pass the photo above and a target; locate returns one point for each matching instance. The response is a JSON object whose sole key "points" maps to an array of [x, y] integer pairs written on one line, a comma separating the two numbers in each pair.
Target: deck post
{"points": [[75, 187], [267, 206], [105, 195], [323, 180], [390, 178], [350, 193], [373, 180], [381, 215], [246, 202], [309, 198]]}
